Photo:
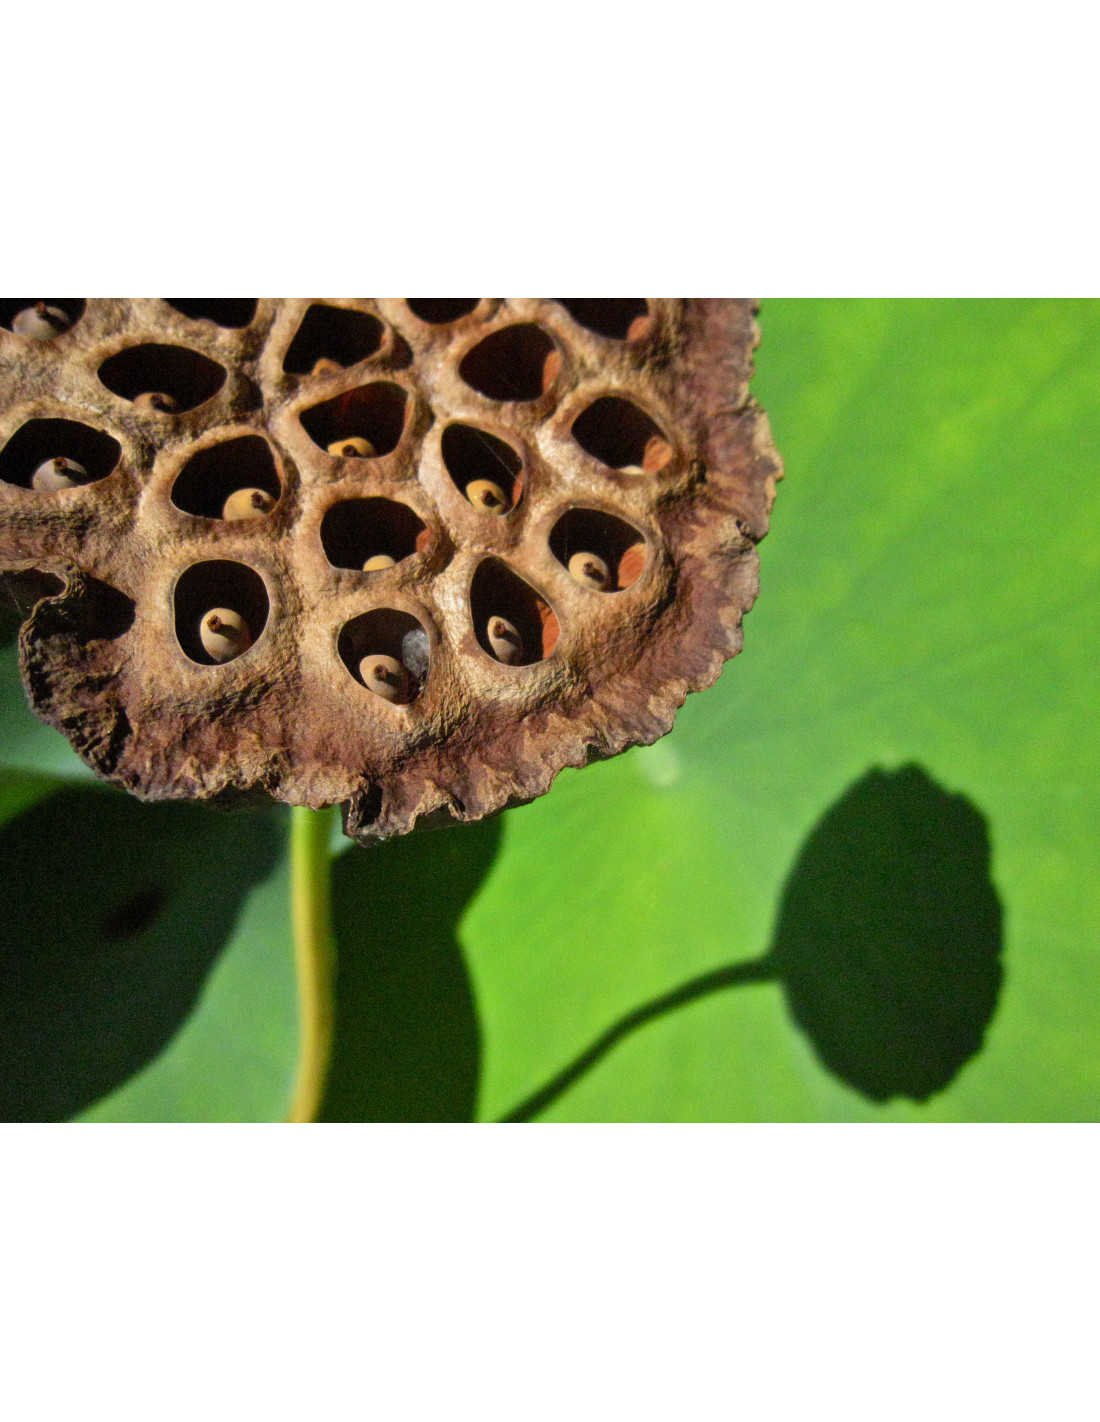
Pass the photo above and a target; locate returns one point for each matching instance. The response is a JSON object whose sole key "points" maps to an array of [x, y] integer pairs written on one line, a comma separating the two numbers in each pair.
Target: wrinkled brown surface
{"points": [[101, 658]]}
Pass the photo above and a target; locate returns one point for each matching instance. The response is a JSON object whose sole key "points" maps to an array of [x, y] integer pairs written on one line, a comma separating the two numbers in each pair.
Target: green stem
{"points": [[314, 953]]}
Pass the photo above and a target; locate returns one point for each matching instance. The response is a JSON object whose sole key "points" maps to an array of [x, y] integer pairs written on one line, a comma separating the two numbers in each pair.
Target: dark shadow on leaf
{"points": [[407, 1043], [112, 914], [887, 944]]}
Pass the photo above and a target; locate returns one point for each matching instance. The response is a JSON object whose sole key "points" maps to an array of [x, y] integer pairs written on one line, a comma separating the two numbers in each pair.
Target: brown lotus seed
{"points": [[247, 503], [40, 322], [157, 402], [551, 369], [378, 562], [325, 366], [354, 447], [386, 677], [658, 452], [639, 328], [224, 634], [505, 641], [631, 564], [56, 474], [589, 570], [488, 497]]}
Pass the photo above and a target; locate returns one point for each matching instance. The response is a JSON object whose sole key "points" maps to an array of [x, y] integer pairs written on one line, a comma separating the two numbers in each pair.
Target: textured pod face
{"points": [[619, 436]]}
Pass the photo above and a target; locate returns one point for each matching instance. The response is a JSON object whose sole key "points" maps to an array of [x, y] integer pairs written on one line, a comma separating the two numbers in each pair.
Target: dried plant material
{"points": [[312, 475]]}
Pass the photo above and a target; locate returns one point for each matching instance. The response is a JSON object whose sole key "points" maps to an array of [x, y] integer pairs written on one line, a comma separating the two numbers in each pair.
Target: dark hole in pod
{"points": [[135, 914], [614, 317], [388, 633], [355, 530], [516, 363], [188, 377], [471, 455], [497, 592], [38, 440], [219, 583], [210, 476], [20, 593], [231, 311], [437, 311], [620, 546], [10, 307], [373, 412], [617, 433], [333, 333]]}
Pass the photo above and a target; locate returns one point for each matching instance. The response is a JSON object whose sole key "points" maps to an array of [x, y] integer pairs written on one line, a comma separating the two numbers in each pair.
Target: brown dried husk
{"points": [[100, 653]]}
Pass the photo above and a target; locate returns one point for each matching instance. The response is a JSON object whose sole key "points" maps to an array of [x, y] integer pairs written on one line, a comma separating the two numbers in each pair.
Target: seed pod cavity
{"points": [[40, 322]]}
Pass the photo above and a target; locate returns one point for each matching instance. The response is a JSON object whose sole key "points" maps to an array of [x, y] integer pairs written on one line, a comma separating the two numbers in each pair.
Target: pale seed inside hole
{"points": [[378, 562], [224, 634], [505, 641], [590, 571], [247, 503], [40, 322], [156, 402], [354, 447], [487, 496], [325, 366], [57, 474], [386, 677]]}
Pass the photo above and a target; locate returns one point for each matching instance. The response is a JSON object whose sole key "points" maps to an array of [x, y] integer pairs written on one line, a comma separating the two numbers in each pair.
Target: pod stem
{"points": [[314, 954]]}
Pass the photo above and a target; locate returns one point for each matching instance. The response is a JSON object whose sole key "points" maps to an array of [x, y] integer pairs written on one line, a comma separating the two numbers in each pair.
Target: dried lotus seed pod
{"points": [[378, 562], [40, 322], [59, 473], [386, 677], [354, 447], [157, 402], [116, 656], [224, 634], [488, 497], [247, 503], [324, 366], [505, 641], [590, 571]]}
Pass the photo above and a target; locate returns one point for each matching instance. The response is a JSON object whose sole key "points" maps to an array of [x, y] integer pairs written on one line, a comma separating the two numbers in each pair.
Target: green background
{"points": [[929, 596]]}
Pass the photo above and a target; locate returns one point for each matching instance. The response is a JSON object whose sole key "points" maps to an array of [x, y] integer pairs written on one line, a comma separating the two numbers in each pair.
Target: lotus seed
{"points": [[324, 366], [589, 570], [386, 677], [379, 561], [487, 496], [224, 634], [354, 447], [41, 322], [56, 474], [247, 503], [505, 641], [551, 369], [639, 328], [658, 452], [631, 564], [156, 402]]}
